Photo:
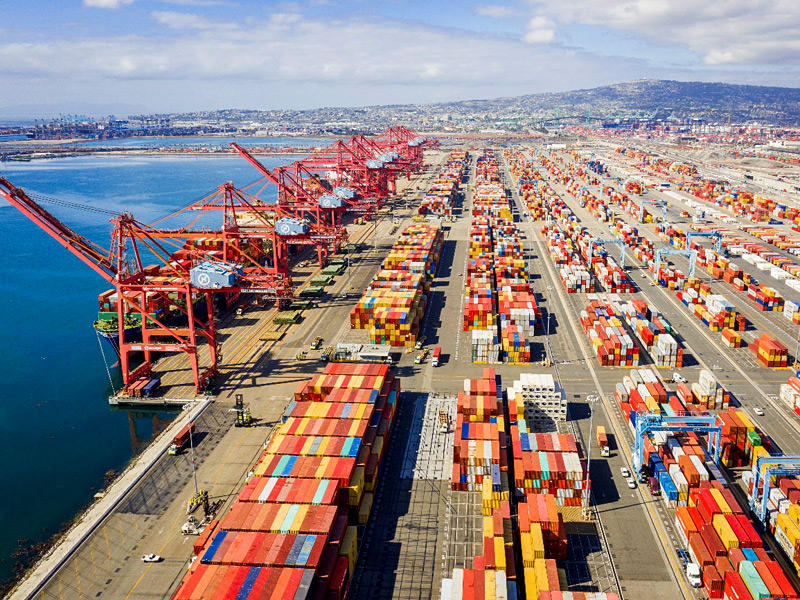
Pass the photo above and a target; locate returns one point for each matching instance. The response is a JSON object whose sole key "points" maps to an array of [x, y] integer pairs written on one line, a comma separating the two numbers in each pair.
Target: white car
{"points": [[676, 378], [625, 472], [758, 411], [631, 482], [151, 558]]}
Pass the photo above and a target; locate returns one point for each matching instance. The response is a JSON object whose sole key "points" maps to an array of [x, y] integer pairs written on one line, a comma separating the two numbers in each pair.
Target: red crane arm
{"points": [[89, 252], [249, 158]]}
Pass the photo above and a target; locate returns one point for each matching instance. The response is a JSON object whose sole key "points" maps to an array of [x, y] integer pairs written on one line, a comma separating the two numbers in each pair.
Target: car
{"points": [[151, 558], [625, 472], [631, 482], [317, 343], [677, 378], [420, 342], [758, 411]]}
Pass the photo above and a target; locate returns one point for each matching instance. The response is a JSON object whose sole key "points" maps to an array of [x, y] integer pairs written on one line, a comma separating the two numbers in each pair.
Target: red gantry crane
{"points": [[246, 252]]}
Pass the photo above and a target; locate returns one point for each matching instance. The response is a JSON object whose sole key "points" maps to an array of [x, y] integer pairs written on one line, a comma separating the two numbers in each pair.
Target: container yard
{"points": [[478, 393]]}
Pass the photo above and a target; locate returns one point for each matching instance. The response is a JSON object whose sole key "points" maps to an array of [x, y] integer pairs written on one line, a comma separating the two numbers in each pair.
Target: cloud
{"points": [[105, 3], [176, 20], [496, 11], [196, 2], [735, 32], [541, 30]]}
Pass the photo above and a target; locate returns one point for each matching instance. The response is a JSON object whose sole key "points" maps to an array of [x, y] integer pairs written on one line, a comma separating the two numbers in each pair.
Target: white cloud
{"points": [[719, 31], [105, 3], [541, 30], [295, 61], [496, 11], [176, 20]]}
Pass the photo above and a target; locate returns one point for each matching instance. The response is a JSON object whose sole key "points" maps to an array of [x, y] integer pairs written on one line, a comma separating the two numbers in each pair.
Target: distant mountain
{"points": [[656, 99]]}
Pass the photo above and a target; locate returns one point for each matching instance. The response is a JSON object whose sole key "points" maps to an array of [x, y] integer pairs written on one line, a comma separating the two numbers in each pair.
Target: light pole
{"points": [[550, 289], [590, 400]]}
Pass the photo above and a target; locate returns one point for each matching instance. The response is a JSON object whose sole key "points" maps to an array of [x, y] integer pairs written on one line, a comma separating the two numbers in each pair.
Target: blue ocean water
{"points": [[59, 435]]}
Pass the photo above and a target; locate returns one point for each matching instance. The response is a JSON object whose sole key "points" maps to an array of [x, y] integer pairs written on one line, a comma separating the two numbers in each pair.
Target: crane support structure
{"points": [[658, 203], [647, 422], [620, 243], [714, 235], [764, 469], [690, 254]]}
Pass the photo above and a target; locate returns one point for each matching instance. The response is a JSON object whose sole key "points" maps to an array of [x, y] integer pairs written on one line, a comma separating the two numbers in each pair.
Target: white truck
{"points": [[694, 575]]}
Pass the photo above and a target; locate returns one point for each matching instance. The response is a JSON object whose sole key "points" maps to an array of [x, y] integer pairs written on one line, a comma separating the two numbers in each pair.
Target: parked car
{"points": [[151, 558], [758, 411], [631, 482], [625, 472], [677, 378]]}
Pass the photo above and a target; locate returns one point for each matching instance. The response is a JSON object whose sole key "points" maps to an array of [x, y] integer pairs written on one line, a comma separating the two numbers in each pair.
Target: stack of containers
{"points": [[539, 400], [791, 310], [439, 198], [548, 463], [480, 463], [641, 391], [769, 351], [498, 292], [293, 527], [611, 342], [394, 304], [706, 393], [790, 393], [654, 332]]}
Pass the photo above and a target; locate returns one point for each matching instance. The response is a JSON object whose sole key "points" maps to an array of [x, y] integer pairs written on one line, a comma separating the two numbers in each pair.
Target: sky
{"points": [[98, 57]]}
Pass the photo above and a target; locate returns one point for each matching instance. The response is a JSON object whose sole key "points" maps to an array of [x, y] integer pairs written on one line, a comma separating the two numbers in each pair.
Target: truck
{"points": [[436, 352], [179, 441], [694, 575], [655, 488], [602, 441]]}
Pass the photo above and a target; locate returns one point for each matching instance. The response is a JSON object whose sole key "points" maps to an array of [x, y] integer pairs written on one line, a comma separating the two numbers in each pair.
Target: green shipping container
{"points": [[753, 438], [752, 580]]}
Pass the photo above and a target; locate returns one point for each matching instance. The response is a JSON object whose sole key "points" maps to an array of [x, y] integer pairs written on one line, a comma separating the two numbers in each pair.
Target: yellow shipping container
{"points": [[725, 532], [721, 502], [794, 514], [537, 540], [349, 547], [488, 527], [747, 422], [365, 508], [541, 575], [527, 551], [789, 528], [490, 585], [356, 487], [499, 553], [297, 522], [531, 588]]}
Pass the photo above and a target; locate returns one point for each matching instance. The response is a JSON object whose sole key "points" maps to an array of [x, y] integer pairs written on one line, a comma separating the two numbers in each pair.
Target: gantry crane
{"points": [[689, 254], [647, 422], [764, 469], [714, 235]]}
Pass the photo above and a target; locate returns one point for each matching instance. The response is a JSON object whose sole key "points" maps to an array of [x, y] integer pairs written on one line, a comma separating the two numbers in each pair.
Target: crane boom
{"points": [[97, 258]]}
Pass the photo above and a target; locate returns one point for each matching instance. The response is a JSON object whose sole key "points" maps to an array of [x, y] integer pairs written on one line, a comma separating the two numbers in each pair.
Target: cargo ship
{"points": [[107, 323]]}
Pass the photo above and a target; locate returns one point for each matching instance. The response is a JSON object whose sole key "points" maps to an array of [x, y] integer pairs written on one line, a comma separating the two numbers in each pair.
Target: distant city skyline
{"points": [[142, 56]]}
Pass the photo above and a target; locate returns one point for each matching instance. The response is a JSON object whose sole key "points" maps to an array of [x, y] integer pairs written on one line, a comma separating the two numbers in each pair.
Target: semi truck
{"points": [[435, 360], [602, 441], [179, 441]]}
